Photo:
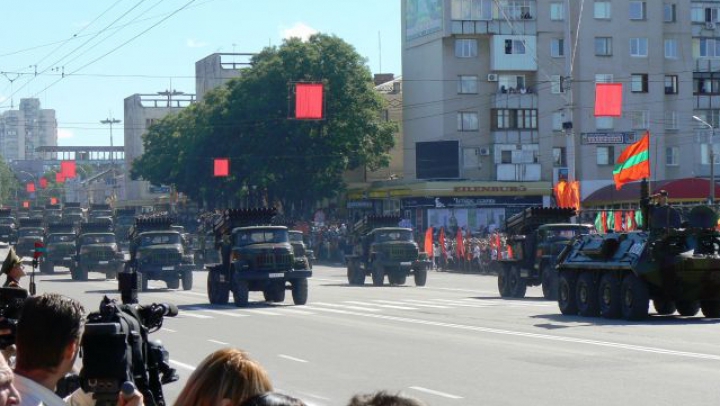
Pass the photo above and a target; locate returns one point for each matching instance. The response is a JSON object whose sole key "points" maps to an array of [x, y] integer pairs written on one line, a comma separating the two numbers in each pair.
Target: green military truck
{"points": [[8, 226], [382, 248], [99, 210], [124, 219], [60, 245], [72, 212], [255, 256], [96, 251], [303, 255], [30, 231], [157, 252], [52, 214]]}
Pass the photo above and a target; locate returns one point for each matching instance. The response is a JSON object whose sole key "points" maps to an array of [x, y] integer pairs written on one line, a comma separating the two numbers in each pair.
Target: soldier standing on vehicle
{"points": [[13, 268]]}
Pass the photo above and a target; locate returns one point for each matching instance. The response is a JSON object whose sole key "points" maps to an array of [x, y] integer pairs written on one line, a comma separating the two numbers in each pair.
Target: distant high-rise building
{"points": [[25, 129]]}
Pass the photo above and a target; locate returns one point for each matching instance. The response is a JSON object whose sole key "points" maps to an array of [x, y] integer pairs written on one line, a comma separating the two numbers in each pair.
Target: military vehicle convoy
{"points": [[303, 256], [124, 219], [52, 214], [674, 262], [8, 227], [536, 236], [157, 252], [382, 248], [96, 250], [60, 246], [30, 230], [255, 256], [99, 210], [72, 212]]}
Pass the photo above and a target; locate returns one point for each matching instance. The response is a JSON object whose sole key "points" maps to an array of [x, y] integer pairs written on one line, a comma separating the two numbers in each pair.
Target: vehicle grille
{"points": [[400, 252], [61, 250], [161, 257], [274, 261], [99, 255]]}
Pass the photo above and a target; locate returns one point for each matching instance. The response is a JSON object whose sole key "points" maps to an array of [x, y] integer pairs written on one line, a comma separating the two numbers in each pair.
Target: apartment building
{"points": [[25, 129]]}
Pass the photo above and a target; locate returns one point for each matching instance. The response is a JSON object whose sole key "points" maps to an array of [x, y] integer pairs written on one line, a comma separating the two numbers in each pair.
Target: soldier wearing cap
{"points": [[13, 268]]}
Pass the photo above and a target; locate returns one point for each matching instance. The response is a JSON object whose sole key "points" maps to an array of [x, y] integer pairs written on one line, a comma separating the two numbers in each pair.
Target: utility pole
{"points": [[111, 121], [711, 192], [566, 84]]}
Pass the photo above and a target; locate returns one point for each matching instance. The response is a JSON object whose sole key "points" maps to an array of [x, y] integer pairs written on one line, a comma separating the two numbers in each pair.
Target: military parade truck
{"points": [[255, 256], [382, 248], [157, 252], [52, 214], [124, 219], [674, 262], [8, 226], [96, 251], [303, 256], [30, 230], [60, 247], [99, 210], [72, 212], [536, 237]]}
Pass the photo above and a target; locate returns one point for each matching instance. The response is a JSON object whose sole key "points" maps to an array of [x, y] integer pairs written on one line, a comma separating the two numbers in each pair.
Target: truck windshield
{"points": [[260, 237], [158, 239], [30, 231], [55, 238], [296, 237], [97, 239], [393, 235], [125, 221], [566, 233], [7, 220]]}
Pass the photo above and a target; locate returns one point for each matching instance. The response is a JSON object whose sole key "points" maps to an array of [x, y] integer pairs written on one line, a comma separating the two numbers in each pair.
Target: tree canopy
{"points": [[294, 162]]}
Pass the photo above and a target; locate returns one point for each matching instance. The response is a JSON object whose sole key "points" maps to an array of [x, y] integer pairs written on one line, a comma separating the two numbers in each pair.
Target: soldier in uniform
{"points": [[13, 268]]}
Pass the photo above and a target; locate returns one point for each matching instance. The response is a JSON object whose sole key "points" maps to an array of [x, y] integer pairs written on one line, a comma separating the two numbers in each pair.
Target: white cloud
{"points": [[193, 43], [299, 30], [64, 134]]}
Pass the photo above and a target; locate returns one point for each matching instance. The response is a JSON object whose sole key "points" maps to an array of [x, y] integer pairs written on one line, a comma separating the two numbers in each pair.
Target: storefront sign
{"points": [[360, 204], [452, 202], [490, 189], [608, 138]]}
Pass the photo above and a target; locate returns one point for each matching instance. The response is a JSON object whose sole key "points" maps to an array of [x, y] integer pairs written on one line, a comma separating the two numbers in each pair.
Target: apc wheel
{"points": [[173, 283], [187, 280], [549, 282], [567, 301], [664, 307], [503, 276], [300, 291], [587, 295], [420, 277], [635, 298], [609, 297], [688, 308], [516, 283], [710, 308], [241, 293], [217, 293], [378, 275]]}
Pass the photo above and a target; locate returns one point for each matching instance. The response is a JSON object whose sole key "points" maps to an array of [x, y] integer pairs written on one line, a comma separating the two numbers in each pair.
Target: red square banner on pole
{"points": [[608, 100], [53, 200], [309, 101], [59, 178], [30, 187], [43, 183], [221, 167], [26, 204], [68, 169]]}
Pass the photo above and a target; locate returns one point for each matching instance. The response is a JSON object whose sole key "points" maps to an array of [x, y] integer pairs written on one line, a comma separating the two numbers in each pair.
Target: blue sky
{"points": [[72, 36]]}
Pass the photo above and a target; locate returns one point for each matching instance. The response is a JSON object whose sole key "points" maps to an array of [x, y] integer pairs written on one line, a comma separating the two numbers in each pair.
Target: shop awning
{"points": [[679, 190]]}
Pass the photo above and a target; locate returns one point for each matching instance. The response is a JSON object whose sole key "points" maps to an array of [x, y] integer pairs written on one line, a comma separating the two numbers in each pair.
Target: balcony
{"points": [[515, 100]]}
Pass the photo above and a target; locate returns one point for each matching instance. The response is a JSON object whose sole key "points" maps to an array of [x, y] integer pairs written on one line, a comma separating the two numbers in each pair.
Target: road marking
{"points": [[421, 303], [190, 293], [436, 393], [506, 302], [380, 305], [265, 312], [293, 358], [181, 365], [368, 309], [168, 330], [197, 316], [202, 309], [218, 342], [301, 312], [456, 303]]}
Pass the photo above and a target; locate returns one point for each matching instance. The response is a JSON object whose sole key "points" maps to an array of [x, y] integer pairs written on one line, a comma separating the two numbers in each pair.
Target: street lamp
{"points": [[712, 158], [112, 121]]}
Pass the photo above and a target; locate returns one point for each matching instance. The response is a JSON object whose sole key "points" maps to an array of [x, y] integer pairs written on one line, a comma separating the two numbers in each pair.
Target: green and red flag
{"points": [[634, 162]]}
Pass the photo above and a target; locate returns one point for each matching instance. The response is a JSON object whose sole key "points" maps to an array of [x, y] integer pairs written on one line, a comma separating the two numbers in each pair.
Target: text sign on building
{"points": [[608, 138]]}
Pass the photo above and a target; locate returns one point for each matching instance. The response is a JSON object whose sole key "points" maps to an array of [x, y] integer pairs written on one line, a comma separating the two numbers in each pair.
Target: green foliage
{"points": [[291, 161], [8, 184]]}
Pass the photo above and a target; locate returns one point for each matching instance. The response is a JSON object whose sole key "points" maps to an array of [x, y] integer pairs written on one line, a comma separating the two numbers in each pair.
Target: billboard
{"points": [[423, 17]]}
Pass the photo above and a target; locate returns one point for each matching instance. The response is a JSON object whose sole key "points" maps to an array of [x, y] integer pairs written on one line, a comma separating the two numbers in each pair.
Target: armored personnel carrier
{"points": [[382, 248], [255, 256], [674, 262]]}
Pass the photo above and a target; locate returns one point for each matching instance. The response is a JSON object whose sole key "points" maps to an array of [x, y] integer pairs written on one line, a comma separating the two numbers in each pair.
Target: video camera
{"points": [[11, 301], [116, 349]]}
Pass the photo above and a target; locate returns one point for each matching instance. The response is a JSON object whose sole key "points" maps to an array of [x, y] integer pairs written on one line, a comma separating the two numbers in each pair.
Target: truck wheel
{"points": [[420, 277], [173, 283], [609, 297], [516, 283], [300, 291], [359, 275], [587, 295], [710, 308], [664, 307], [549, 282], [567, 301], [635, 298], [688, 308], [187, 280], [217, 292], [143, 281], [275, 292], [503, 282], [241, 293], [83, 273], [111, 274], [397, 278], [378, 275]]}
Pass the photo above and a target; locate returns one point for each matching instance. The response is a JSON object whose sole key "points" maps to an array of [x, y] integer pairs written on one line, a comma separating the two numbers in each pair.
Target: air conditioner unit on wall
{"points": [[492, 77], [484, 151], [710, 25]]}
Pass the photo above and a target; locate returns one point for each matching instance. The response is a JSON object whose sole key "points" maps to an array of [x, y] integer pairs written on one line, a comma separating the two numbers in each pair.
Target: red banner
{"points": [[43, 183], [59, 178], [309, 101], [68, 169], [221, 167], [30, 187], [608, 100]]}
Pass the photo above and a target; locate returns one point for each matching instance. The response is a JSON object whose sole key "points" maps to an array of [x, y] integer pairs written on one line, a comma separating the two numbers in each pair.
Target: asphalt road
{"points": [[453, 342]]}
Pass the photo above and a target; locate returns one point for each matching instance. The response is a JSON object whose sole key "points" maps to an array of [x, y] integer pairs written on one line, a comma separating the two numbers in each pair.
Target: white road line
{"points": [[218, 342], [263, 312], [169, 330], [301, 312], [189, 292], [505, 302], [193, 315], [367, 309], [421, 303], [436, 393], [380, 305], [457, 303], [183, 366], [293, 358], [213, 311]]}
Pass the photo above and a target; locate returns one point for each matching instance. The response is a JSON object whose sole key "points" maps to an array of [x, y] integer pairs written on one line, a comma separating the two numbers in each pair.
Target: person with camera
{"points": [[48, 341], [8, 393], [12, 267]]}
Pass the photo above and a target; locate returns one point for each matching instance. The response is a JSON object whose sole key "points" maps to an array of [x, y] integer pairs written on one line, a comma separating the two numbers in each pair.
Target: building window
{"points": [[671, 84], [604, 78], [639, 83], [605, 155], [557, 120], [472, 10], [514, 119], [709, 47], [705, 154], [709, 116], [669, 13], [467, 121], [671, 48], [467, 84], [602, 10], [557, 11], [671, 156], [466, 48], [639, 47], [671, 120], [514, 47], [559, 158], [705, 83], [603, 46], [517, 9], [638, 10], [556, 84], [557, 47], [639, 119], [526, 118], [604, 123], [703, 13]]}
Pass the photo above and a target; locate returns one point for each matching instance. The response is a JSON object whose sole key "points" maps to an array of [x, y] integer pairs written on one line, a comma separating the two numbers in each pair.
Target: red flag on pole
{"points": [[441, 241], [68, 169], [43, 183], [221, 167], [608, 99], [30, 187], [429, 242], [59, 178], [633, 163], [618, 220], [459, 244], [309, 101], [26, 204]]}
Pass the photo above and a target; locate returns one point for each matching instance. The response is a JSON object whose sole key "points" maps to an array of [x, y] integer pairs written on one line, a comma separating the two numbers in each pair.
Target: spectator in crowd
{"points": [[383, 398], [48, 342], [8, 393], [273, 399], [226, 377], [12, 267]]}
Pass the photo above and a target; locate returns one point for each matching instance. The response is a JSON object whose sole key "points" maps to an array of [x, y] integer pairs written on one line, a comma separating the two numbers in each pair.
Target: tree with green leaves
{"points": [[289, 161]]}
